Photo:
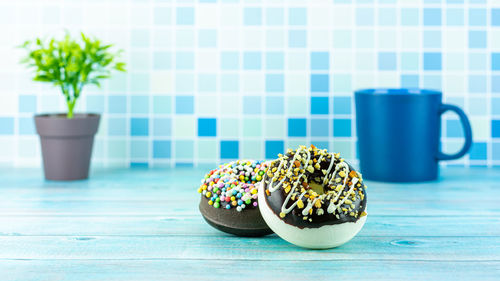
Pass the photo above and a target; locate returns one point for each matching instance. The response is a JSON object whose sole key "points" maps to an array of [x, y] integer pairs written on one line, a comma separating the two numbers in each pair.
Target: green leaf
{"points": [[70, 63]]}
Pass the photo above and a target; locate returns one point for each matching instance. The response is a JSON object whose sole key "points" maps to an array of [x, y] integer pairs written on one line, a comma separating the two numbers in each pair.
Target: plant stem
{"points": [[71, 105]]}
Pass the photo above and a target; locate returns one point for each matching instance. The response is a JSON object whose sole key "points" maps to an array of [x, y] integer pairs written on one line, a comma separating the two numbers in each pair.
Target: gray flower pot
{"points": [[66, 144]]}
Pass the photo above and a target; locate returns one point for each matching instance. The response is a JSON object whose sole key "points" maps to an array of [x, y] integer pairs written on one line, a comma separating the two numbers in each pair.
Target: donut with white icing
{"points": [[312, 198], [229, 198]]}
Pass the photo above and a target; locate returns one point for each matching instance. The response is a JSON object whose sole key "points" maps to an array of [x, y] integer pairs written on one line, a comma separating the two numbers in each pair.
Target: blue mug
{"points": [[398, 134]]}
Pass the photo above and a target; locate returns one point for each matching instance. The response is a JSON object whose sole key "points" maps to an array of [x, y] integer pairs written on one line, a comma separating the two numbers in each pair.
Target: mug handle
{"points": [[467, 132]]}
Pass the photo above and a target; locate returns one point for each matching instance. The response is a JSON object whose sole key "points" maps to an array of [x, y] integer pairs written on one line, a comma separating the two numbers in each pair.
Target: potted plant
{"points": [[69, 64]]}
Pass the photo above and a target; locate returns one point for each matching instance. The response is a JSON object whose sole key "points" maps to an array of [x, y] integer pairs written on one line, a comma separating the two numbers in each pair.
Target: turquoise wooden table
{"points": [[134, 224]]}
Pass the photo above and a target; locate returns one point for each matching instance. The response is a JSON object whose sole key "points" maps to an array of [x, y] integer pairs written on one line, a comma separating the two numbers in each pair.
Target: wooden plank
{"points": [[139, 270], [236, 248], [171, 207], [195, 225]]}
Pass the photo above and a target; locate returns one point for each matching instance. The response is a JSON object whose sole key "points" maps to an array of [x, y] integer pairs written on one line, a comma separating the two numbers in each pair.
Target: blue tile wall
{"points": [[209, 81]]}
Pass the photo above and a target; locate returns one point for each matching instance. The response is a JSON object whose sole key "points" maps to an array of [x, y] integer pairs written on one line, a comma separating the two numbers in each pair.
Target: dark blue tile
{"points": [[229, 149], [139, 126], [207, 127], [495, 128], [162, 149], [478, 151], [297, 127], [319, 105], [341, 127], [273, 148]]}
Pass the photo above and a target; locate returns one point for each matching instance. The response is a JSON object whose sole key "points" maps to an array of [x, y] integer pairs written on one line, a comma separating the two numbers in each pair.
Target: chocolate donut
{"points": [[312, 198], [229, 198]]}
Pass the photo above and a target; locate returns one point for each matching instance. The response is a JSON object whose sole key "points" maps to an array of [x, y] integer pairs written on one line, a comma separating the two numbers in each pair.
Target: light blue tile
{"points": [[162, 104], [275, 83], [432, 61], [229, 60], [252, 60], [495, 105], [478, 106], [184, 83], [477, 39], [342, 105], [410, 61], [275, 105], [230, 83], [252, 104], [455, 16], [477, 17], [409, 16], [478, 61], [431, 81], [139, 149], [117, 126], [495, 83], [320, 127], [365, 16], [387, 61], [387, 16], [320, 61], [495, 17], [342, 83], [117, 104], [139, 60], [297, 39], [162, 16], [162, 60], [184, 149], [26, 126], [139, 104], [27, 103], [162, 127], [432, 16], [139, 82], [184, 60], [252, 16], [320, 83], [207, 38], [477, 84], [432, 39], [275, 16], [185, 16], [184, 104], [342, 39], [297, 16], [275, 60], [139, 38], [207, 82]]}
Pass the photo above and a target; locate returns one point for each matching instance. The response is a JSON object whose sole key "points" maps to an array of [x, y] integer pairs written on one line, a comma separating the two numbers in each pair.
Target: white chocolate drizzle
{"points": [[328, 180]]}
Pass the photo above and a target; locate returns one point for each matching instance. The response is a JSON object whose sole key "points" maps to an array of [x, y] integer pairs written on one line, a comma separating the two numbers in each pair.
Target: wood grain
{"points": [[140, 224]]}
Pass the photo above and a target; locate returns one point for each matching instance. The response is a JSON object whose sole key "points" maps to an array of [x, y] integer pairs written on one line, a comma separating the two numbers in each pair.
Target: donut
{"points": [[229, 198], [312, 198]]}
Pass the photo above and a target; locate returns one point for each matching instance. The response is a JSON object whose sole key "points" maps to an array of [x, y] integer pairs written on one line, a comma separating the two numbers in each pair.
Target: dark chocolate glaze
{"points": [[275, 200], [248, 222]]}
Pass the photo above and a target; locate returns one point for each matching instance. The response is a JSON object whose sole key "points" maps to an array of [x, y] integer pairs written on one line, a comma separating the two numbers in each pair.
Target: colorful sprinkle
{"points": [[232, 185]]}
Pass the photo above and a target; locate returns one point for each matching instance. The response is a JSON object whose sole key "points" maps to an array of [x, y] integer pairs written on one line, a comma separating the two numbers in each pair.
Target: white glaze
{"points": [[324, 237]]}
